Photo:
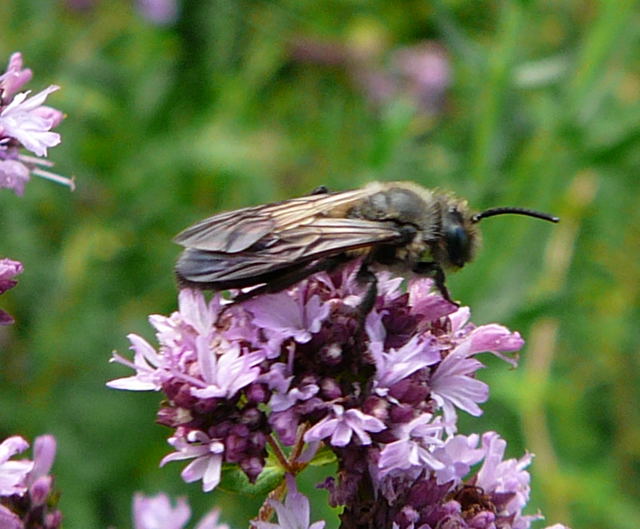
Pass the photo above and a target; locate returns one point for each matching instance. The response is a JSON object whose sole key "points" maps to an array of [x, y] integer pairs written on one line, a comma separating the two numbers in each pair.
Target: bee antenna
{"points": [[517, 211]]}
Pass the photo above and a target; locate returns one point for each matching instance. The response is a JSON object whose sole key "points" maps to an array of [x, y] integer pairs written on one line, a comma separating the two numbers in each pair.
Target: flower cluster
{"points": [[27, 500], [8, 270], [383, 394], [25, 122]]}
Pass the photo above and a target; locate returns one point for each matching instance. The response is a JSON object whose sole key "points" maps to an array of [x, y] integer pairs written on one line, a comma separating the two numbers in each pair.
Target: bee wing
{"points": [[236, 231], [323, 237]]}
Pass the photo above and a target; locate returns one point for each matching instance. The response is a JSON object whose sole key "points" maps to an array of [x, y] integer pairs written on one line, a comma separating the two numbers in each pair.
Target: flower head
{"points": [[27, 121], [383, 395]]}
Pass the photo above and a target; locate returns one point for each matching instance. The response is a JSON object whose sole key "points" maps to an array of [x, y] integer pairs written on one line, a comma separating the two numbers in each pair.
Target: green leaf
{"points": [[235, 480], [324, 456]]}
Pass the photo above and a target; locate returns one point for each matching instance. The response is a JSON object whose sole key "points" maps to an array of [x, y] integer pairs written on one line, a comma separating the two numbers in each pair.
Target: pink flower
{"points": [[206, 454], [414, 447], [151, 367], [13, 474], [293, 513], [14, 78], [8, 270], [156, 512], [27, 121], [342, 425]]}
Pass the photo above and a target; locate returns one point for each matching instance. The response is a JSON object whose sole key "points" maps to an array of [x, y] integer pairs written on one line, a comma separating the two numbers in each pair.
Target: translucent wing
{"points": [[324, 237], [236, 231]]}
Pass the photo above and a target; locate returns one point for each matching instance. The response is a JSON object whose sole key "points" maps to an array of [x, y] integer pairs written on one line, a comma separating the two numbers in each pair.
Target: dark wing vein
{"points": [[235, 231], [301, 244]]}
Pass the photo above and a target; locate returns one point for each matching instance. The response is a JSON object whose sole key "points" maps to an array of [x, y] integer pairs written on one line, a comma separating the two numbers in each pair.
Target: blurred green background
{"points": [[237, 102]]}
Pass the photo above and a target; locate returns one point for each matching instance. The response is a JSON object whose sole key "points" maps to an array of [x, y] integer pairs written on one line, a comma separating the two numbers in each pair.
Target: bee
{"points": [[396, 225]]}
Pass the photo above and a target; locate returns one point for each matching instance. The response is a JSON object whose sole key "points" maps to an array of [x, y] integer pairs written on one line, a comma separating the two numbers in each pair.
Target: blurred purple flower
{"points": [[424, 74], [161, 12], [420, 74], [27, 498], [8, 270], [293, 513], [14, 175], [13, 474], [30, 123], [14, 78], [156, 512], [9, 520]]}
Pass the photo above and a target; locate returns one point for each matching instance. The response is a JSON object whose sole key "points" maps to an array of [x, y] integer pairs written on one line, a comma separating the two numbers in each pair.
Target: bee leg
{"points": [[368, 279], [320, 190], [435, 271]]}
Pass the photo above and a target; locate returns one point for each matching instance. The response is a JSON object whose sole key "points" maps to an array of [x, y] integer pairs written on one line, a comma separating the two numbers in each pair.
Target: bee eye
{"points": [[458, 246]]}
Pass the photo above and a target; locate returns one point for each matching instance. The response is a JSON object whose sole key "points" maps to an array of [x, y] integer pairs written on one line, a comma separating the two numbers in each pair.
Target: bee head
{"points": [[460, 238]]}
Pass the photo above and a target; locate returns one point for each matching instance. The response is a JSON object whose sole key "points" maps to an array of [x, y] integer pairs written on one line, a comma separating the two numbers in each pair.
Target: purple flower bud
{"points": [[14, 78], [257, 442], [53, 520], [8, 270], [285, 424], [235, 448], [251, 417], [40, 489], [257, 393], [252, 466], [376, 407], [44, 448], [330, 389], [401, 414], [173, 417]]}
